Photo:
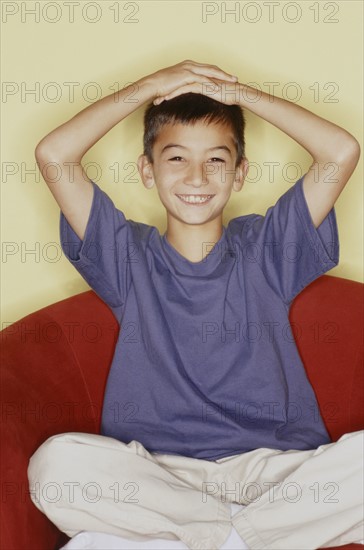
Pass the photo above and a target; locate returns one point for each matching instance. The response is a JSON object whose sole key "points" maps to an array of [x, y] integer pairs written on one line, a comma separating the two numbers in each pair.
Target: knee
{"points": [[353, 438], [44, 474]]}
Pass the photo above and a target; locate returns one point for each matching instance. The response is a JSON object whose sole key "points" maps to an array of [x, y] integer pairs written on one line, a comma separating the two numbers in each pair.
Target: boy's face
{"points": [[190, 161]]}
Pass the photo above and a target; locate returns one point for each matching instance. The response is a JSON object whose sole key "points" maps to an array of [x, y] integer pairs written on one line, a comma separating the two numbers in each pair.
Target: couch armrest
{"points": [[45, 391], [328, 320]]}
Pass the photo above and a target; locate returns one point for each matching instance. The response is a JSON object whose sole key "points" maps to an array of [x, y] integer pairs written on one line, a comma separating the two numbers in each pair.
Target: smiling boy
{"points": [[184, 169], [206, 386]]}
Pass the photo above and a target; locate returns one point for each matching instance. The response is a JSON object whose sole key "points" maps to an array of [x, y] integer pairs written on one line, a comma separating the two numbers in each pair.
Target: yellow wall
{"points": [[316, 46]]}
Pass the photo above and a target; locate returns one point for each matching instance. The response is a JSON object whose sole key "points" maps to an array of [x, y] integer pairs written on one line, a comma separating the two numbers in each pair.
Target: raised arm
{"points": [[65, 146], [335, 151]]}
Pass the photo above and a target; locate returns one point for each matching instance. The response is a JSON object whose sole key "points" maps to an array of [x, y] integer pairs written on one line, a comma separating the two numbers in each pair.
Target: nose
{"points": [[196, 174]]}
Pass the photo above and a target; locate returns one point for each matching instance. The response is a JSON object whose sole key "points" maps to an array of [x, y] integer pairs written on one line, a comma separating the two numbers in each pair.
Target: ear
{"points": [[145, 169], [240, 174]]}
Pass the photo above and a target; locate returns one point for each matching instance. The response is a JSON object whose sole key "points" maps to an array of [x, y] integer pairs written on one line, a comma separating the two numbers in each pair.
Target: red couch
{"points": [[55, 363]]}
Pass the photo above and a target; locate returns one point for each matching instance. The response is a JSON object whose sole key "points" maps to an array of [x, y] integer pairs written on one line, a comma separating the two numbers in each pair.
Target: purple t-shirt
{"points": [[205, 364]]}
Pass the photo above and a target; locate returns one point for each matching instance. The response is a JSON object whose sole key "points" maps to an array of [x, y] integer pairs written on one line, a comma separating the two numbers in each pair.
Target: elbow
{"points": [[50, 151], [45, 149], [39, 156], [40, 152], [45, 157], [356, 151], [348, 159], [349, 153]]}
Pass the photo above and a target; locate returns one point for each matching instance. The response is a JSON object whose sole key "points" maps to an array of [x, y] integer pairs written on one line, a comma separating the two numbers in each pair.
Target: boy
{"points": [[206, 388]]}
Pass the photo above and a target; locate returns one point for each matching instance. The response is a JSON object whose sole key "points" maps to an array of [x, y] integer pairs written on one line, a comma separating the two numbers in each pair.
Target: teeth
{"points": [[195, 198]]}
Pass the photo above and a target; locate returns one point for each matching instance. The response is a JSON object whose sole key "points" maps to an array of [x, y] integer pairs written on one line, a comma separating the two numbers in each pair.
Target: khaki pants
{"points": [[294, 499]]}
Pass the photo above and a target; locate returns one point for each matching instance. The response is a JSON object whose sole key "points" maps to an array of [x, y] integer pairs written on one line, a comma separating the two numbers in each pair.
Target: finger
{"points": [[209, 67], [194, 87], [207, 82], [195, 83], [216, 73], [210, 70]]}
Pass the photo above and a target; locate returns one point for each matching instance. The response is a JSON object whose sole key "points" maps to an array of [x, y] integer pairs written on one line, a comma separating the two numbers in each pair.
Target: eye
{"points": [[175, 158], [216, 159]]}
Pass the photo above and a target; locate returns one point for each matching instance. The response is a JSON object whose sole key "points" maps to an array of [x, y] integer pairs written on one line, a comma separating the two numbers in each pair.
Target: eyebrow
{"points": [[223, 147]]}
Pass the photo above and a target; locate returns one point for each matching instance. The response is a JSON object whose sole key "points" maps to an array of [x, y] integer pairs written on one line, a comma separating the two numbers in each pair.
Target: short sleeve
{"points": [[101, 257], [288, 247]]}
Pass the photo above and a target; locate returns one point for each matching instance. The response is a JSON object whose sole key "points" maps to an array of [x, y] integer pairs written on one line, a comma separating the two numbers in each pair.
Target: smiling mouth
{"points": [[195, 199]]}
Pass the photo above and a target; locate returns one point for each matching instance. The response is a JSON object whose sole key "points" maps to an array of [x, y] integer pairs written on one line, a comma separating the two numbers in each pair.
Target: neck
{"points": [[194, 242]]}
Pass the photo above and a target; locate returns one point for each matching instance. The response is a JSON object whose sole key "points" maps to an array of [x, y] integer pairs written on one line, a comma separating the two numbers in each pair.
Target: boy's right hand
{"points": [[171, 78]]}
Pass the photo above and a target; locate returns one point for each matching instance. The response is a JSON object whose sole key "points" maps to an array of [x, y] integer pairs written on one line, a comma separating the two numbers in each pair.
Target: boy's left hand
{"points": [[220, 90]]}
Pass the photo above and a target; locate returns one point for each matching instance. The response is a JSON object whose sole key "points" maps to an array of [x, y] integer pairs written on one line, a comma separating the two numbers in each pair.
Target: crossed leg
{"points": [[88, 482]]}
